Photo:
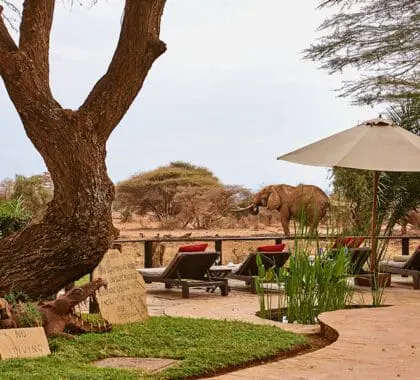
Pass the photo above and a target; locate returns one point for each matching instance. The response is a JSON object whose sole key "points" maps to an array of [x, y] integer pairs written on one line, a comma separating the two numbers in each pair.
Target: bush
{"points": [[13, 216]]}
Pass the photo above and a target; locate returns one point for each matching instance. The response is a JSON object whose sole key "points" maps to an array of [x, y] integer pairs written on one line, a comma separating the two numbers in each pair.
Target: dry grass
{"points": [[233, 251]]}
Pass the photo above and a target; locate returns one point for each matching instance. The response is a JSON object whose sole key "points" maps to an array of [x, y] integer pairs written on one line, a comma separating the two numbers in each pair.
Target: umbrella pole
{"points": [[374, 217]]}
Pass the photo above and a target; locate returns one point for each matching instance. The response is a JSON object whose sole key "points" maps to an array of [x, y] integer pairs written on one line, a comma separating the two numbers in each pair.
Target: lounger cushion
{"points": [[392, 263], [342, 242], [356, 242], [400, 258], [272, 248], [151, 271], [193, 247]]}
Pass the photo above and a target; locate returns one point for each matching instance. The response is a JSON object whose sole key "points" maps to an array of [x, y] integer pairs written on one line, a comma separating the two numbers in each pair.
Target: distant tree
{"points": [[35, 192], [378, 37], [158, 190], [202, 208], [179, 195], [6, 189]]}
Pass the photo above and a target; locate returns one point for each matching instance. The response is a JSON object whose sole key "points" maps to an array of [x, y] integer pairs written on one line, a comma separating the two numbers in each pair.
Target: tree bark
{"points": [[77, 228]]}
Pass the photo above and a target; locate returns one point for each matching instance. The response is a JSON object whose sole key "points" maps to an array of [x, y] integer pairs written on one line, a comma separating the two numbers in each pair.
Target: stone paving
{"points": [[373, 343]]}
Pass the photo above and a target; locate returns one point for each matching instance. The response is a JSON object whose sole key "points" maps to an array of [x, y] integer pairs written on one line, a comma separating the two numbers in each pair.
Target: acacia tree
{"points": [[378, 37], [77, 227], [158, 190]]}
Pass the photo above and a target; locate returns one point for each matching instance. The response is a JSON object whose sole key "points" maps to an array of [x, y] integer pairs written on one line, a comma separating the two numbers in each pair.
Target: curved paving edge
{"points": [[373, 343]]}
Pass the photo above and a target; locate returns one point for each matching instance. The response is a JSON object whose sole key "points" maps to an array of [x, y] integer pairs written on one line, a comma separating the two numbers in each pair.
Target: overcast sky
{"points": [[231, 93]]}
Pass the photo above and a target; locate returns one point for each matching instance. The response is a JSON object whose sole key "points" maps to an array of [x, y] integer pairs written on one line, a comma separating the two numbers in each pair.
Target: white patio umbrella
{"points": [[377, 145]]}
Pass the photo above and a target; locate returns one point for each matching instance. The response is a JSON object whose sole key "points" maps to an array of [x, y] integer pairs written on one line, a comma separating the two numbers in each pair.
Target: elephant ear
{"points": [[274, 200]]}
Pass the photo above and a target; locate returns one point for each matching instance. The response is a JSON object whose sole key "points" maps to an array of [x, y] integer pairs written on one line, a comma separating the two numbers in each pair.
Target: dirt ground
{"points": [[233, 251]]}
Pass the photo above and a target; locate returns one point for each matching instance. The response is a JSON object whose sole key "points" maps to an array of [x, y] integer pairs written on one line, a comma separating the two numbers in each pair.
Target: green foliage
{"points": [[24, 312], [201, 346], [377, 37], [355, 187], [13, 298], [308, 287], [13, 216], [26, 315], [35, 191]]}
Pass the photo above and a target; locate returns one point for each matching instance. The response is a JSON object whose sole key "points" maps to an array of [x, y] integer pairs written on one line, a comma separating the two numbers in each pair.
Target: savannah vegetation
{"points": [[179, 195]]}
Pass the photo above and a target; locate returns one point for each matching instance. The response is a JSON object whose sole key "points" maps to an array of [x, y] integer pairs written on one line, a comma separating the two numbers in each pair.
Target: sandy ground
{"points": [[233, 251]]}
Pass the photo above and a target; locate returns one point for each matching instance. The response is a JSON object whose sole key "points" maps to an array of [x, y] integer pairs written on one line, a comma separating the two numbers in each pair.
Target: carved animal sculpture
{"points": [[305, 203], [6, 318], [59, 314]]}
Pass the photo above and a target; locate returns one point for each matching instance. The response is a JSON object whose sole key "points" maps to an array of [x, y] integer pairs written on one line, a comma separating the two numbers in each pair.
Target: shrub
{"points": [[13, 216]]}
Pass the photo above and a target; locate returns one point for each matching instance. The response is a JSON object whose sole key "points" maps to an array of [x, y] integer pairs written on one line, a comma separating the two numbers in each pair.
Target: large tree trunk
{"points": [[77, 228]]}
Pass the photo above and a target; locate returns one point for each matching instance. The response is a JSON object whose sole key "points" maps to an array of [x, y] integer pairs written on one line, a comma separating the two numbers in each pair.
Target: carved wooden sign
{"points": [[124, 300], [28, 342]]}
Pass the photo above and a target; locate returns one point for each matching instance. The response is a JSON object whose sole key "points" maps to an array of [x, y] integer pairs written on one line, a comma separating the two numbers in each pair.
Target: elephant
{"points": [[412, 217], [303, 203]]}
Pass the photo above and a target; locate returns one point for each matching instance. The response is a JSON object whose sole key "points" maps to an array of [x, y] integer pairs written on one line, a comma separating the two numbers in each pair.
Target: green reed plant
{"points": [[314, 281], [305, 289]]}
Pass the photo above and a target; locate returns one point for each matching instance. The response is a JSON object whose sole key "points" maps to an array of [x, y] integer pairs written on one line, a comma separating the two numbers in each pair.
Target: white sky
{"points": [[231, 93]]}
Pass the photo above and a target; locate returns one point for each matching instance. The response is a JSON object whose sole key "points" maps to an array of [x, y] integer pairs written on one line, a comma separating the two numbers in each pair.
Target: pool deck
{"points": [[373, 343]]}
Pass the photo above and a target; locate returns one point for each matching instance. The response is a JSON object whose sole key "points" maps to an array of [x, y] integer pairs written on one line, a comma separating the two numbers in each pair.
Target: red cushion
{"points": [[356, 242], [193, 248], [271, 248], [342, 242]]}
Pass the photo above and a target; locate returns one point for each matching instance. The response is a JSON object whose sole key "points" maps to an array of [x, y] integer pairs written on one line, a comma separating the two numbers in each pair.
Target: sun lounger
{"points": [[187, 269], [249, 268], [411, 267], [358, 258]]}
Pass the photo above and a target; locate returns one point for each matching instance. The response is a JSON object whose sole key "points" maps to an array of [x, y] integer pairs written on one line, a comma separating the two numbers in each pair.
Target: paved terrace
{"points": [[373, 343]]}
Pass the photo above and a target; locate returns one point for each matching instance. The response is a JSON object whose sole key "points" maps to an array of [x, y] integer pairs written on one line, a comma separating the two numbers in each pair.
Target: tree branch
{"points": [[35, 28], [7, 44], [138, 47]]}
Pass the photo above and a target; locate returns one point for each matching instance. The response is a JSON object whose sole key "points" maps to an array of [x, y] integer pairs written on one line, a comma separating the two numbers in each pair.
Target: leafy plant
{"points": [[26, 315], [311, 284], [308, 287], [24, 312], [13, 216], [35, 192]]}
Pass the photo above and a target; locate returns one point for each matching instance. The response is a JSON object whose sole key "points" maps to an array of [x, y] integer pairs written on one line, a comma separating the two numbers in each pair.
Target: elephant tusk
{"points": [[254, 210], [247, 208]]}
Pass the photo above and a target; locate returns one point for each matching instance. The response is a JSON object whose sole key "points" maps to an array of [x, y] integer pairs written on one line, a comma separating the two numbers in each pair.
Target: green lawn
{"points": [[204, 346]]}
